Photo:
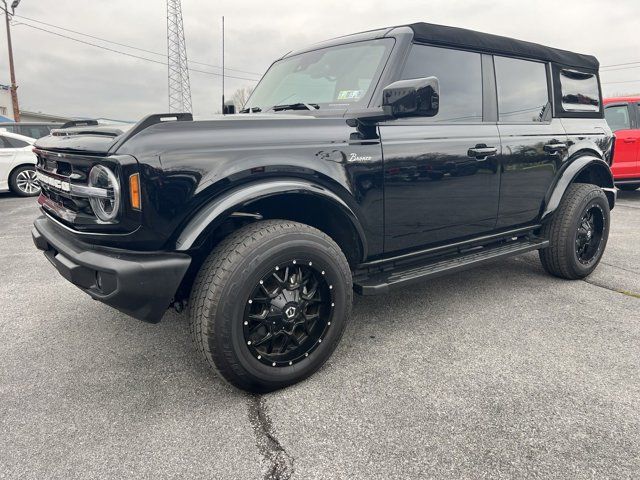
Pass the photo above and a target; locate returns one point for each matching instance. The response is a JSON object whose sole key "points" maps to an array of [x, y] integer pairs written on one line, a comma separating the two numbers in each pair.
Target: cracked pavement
{"points": [[498, 372]]}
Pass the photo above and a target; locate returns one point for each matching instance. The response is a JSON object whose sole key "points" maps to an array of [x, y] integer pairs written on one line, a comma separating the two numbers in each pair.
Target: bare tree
{"points": [[240, 96]]}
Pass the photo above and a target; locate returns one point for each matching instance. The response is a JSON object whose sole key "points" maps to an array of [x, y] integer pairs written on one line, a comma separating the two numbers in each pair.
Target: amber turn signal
{"points": [[134, 191]]}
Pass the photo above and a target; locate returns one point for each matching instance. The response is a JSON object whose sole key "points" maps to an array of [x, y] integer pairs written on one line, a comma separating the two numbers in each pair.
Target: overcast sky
{"points": [[59, 76]]}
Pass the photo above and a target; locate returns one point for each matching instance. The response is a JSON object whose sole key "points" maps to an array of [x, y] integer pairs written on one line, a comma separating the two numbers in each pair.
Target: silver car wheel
{"points": [[27, 182]]}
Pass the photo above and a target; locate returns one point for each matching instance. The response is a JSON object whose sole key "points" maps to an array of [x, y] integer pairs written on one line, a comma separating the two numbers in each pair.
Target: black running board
{"points": [[382, 282]]}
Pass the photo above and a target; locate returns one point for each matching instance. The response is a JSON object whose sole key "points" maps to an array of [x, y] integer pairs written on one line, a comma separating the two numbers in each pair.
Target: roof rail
{"points": [[79, 123], [147, 122]]}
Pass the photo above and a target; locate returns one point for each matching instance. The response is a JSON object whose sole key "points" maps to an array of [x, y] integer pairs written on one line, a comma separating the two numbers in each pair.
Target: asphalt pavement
{"points": [[498, 372]]}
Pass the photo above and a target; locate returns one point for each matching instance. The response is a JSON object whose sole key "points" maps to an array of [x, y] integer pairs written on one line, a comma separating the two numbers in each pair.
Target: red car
{"points": [[623, 116]]}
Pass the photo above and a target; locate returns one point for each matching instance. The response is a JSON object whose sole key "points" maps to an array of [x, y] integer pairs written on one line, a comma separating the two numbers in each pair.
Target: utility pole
{"points": [[14, 87], [223, 64]]}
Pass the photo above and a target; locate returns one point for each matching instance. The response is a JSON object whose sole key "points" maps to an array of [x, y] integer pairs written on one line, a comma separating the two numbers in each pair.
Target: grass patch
{"points": [[631, 294]]}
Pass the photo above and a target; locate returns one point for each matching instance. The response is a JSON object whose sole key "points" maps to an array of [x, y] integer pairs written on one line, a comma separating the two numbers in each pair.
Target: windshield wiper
{"points": [[251, 110], [295, 106]]}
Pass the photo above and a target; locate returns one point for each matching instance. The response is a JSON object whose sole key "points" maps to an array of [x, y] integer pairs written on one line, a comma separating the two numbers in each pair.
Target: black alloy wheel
{"points": [[288, 313], [589, 234]]}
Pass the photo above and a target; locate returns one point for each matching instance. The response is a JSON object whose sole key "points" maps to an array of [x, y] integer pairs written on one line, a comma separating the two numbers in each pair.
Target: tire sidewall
{"points": [[227, 321]]}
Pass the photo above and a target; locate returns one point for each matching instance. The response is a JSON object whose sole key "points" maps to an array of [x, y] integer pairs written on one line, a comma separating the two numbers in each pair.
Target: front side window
{"points": [[459, 74], [339, 76], [579, 91], [523, 94], [617, 117]]}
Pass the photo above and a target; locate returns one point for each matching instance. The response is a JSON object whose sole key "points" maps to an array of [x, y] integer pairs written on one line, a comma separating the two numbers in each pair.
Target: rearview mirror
{"points": [[412, 98]]}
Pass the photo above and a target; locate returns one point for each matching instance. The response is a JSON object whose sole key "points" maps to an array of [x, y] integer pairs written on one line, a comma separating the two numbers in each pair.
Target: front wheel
{"points": [[270, 304], [577, 232]]}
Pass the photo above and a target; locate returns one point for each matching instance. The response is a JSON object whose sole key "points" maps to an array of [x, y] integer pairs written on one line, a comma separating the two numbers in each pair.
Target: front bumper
{"points": [[140, 284]]}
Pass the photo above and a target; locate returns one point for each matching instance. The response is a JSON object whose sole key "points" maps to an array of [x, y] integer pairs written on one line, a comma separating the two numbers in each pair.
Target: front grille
{"points": [[62, 170]]}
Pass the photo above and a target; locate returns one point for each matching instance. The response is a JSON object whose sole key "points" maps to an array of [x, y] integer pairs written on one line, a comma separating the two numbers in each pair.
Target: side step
{"points": [[382, 282]]}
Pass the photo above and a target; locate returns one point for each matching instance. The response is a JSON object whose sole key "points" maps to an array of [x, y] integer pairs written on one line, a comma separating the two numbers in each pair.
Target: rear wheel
{"points": [[629, 187], [23, 181], [270, 304], [577, 233]]}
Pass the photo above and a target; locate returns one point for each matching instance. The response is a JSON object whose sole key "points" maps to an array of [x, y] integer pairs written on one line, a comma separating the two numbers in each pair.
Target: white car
{"points": [[18, 165]]}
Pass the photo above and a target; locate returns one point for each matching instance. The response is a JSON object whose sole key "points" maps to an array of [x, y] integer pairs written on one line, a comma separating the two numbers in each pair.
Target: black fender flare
{"points": [[212, 215], [571, 172]]}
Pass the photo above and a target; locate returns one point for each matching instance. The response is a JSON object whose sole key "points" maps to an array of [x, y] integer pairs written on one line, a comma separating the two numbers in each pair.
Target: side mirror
{"points": [[229, 108], [412, 98]]}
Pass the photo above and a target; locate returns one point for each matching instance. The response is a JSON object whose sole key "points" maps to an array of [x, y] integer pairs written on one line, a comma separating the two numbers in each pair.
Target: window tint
{"points": [[617, 117], [460, 77], [523, 95], [4, 143], [579, 91]]}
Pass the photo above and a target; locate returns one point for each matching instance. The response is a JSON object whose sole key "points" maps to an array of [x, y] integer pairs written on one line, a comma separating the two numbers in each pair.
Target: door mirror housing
{"points": [[416, 97]]}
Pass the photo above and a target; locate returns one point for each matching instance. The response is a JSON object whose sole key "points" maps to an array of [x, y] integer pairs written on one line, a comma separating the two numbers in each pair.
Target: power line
{"points": [[124, 44], [131, 54], [622, 81], [618, 64]]}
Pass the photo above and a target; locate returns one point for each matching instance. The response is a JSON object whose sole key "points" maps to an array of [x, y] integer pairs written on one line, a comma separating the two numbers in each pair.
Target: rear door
{"points": [[621, 120], [7, 156], [533, 143], [440, 174]]}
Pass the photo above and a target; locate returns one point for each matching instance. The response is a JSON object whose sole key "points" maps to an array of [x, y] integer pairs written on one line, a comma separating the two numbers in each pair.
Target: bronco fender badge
{"points": [[354, 157]]}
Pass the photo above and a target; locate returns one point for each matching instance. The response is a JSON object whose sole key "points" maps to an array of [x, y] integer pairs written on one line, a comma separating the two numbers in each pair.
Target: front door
{"points": [[440, 182], [625, 159], [441, 176]]}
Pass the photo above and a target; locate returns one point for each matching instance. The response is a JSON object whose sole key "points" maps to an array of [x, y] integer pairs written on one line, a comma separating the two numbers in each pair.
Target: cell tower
{"points": [[179, 86]]}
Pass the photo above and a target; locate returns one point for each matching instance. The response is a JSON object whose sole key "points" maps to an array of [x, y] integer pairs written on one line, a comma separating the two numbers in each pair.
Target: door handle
{"points": [[554, 148], [629, 140], [481, 151]]}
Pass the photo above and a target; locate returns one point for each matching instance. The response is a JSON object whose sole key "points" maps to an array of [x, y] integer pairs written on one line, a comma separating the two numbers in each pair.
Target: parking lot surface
{"points": [[498, 372]]}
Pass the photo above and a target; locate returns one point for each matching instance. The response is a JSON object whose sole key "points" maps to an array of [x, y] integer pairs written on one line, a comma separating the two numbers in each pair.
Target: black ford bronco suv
{"points": [[363, 164]]}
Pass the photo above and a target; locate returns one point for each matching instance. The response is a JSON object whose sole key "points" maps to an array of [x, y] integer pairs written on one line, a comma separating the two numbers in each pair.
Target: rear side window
{"points": [[617, 117], [14, 142], [523, 93], [579, 91], [460, 77]]}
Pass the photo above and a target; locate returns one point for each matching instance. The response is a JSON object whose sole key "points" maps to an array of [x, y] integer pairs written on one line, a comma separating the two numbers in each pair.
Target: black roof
{"points": [[486, 42]]}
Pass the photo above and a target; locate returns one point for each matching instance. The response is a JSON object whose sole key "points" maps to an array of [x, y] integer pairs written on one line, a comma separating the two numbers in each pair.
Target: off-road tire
{"points": [[560, 258], [223, 285]]}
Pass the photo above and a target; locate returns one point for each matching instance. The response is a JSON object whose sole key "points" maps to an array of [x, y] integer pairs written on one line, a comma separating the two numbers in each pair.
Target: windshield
{"points": [[331, 77]]}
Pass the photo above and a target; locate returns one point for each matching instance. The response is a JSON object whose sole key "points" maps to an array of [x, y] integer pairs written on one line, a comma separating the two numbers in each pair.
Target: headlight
{"points": [[105, 208]]}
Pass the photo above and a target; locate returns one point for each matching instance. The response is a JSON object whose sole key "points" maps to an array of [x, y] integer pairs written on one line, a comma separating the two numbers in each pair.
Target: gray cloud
{"points": [[60, 76]]}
